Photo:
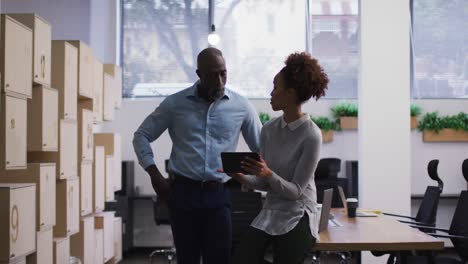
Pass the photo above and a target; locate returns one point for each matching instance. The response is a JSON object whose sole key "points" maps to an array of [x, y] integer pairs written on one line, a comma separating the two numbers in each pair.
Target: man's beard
{"points": [[214, 94]]}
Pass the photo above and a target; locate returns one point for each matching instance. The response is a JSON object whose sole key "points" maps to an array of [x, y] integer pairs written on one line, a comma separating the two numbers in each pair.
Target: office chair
{"points": [[427, 212], [465, 170], [326, 177], [161, 217], [432, 171], [327, 168], [458, 234]]}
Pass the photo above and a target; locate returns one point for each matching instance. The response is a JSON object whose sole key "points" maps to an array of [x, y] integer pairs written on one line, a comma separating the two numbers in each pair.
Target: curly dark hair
{"points": [[305, 75]]}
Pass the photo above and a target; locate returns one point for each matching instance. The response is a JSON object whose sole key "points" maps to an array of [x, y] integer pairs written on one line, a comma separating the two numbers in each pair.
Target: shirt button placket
{"points": [[207, 137]]}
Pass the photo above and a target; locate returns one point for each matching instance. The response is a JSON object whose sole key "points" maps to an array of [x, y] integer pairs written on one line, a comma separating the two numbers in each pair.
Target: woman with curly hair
{"points": [[289, 153]]}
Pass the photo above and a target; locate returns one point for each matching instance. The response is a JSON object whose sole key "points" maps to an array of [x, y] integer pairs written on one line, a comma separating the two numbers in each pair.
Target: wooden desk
{"points": [[382, 233]]}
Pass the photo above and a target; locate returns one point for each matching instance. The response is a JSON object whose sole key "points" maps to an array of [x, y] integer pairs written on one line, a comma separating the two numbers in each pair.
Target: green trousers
{"points": [[290, 248]]}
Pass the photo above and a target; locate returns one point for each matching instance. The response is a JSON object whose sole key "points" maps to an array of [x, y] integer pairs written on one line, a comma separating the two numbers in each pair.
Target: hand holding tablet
{"points": [[232, 161]]}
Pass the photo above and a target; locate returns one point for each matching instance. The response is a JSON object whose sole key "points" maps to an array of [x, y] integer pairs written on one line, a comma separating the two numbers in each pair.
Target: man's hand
{"points": [[257, 168], [159, 183], [236, 176]]}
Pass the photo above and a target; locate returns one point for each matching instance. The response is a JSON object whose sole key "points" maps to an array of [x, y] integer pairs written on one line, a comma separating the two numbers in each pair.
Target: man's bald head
{"points": [[208, 55], [211, 69]]}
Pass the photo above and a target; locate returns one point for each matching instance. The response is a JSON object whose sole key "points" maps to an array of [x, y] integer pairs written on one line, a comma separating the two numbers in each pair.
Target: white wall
{"points": [[104, 37], [70, 19]]}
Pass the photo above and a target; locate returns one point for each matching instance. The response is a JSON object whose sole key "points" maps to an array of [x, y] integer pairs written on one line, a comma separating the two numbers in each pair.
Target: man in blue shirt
{"points": [[203, 121]]}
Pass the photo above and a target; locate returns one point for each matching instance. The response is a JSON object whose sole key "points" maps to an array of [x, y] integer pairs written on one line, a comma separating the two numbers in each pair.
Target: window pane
{"points": [[161, 40], [440, 49], [256, 37], [334, 28]]}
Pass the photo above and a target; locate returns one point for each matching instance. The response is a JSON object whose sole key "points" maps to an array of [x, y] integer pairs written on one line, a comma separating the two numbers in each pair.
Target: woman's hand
{"points": [[258, 168]]}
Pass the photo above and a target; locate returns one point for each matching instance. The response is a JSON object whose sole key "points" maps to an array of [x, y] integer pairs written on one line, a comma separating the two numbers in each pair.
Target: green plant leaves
{"points": [[351, 109], [415, 110], [324, 123], [432, 121], [264, 117], [345, 109]]}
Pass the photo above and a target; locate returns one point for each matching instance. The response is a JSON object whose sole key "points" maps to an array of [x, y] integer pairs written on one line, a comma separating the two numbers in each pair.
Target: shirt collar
{"points": [[192, 92], [295, 124]]}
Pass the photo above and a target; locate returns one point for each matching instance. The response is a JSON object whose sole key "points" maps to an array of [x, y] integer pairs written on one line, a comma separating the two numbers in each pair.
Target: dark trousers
{"points": [[201, 223], [290, 248]]}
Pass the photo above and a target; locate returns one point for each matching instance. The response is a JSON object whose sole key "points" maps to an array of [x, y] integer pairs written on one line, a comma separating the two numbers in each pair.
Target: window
{"points": [[334, 26], [161, 39], [256, 37], [440, 49]]}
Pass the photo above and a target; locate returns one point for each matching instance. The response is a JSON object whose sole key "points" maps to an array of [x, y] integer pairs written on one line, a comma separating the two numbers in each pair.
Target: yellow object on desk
{"points": [[379, 212]]}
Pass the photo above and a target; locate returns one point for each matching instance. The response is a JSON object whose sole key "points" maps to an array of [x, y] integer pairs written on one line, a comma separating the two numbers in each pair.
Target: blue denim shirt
{"points": [[200, 131]]}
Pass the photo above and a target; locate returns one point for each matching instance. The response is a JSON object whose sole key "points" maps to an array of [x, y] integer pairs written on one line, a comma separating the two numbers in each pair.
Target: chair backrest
{"points": [[465, 169], [459, 226], [327, 168], [160, 212], [433, 174], [427, 212], [245, 206]]}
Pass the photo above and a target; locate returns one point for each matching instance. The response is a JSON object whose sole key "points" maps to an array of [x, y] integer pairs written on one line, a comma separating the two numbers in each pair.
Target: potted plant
{"points": [[415, 112], [444, 129], [326, 126], [346, 115], [264, 117]]}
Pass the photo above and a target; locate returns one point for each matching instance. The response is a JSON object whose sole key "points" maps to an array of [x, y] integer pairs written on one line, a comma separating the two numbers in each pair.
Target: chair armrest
{"points": [[404, 216], [450, 236], [415, 223], [430, 228]]}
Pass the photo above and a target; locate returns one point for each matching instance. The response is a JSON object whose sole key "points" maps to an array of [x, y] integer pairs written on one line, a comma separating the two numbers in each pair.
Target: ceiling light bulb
{"points": [[213, 39]]}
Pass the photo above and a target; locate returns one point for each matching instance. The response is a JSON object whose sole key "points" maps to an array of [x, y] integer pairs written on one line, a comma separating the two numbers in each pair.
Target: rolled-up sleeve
{"points": [[251, 128], [151, 128]]}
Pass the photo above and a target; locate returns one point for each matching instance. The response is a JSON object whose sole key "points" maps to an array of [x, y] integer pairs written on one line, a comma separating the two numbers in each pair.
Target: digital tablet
{"points": [[232, 160]]}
